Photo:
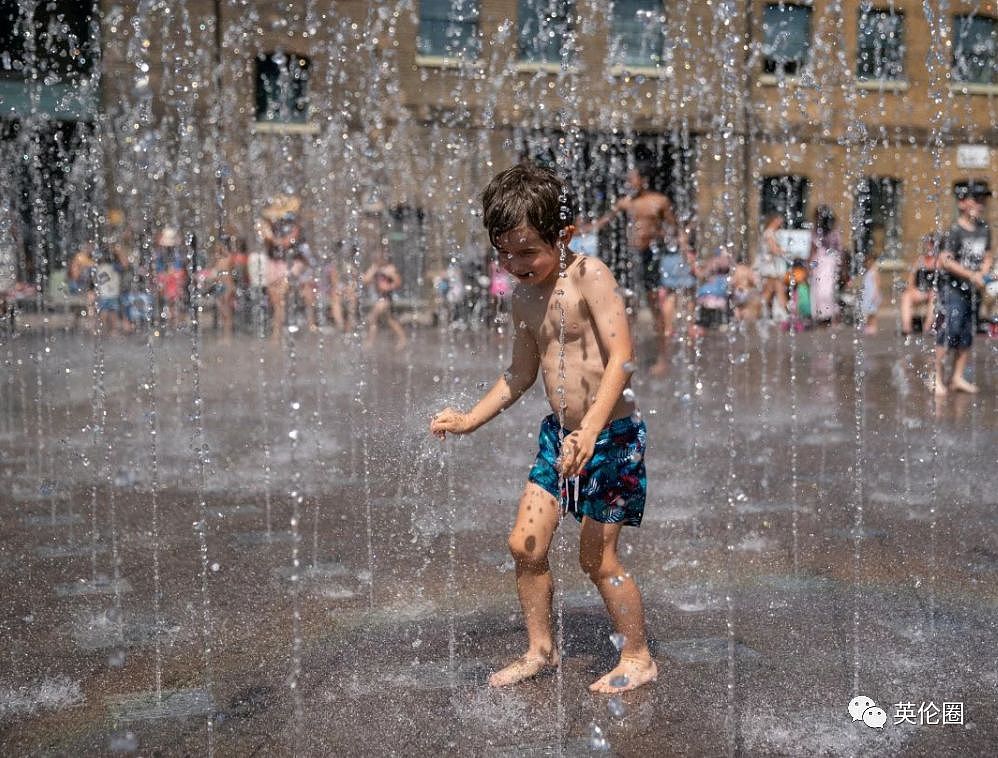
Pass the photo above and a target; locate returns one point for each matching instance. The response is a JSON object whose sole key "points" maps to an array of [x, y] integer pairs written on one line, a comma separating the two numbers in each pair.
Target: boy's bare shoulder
{"points": [[591, 272]]}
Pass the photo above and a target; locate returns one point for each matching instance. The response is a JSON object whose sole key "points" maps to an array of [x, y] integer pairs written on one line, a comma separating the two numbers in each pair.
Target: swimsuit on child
{"points": [[612, 487], [955, 320], [925, 279], [675, 272], [651, 262]]}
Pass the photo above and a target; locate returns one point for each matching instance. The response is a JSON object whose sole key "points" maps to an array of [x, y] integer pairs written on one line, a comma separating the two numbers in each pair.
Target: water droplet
{"points": [[123, 742], [293, 434], [215, 567], [628, 395], [616, 707], [597, 741], [620, 680], [618, 639]]}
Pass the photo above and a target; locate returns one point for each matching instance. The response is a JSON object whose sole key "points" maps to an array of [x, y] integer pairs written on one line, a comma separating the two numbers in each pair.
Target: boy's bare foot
{"points": [[936, 385], [629, 674], [960, 384], [524, 667]]}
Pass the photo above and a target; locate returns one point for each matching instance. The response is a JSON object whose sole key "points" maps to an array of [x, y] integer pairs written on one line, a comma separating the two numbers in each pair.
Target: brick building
{"points": [[388, 118]]}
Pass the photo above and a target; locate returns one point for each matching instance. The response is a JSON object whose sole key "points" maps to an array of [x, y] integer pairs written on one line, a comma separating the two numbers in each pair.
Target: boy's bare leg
{"points": [[373, 316], [598, 557], [276, 292], [939, 381], [665, 317], [908, 302], [958, 382], [529, 541], [400, 337]]}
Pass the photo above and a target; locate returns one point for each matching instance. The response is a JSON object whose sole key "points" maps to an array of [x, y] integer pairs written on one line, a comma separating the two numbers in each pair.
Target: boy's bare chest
{"points": [[565, 314]]}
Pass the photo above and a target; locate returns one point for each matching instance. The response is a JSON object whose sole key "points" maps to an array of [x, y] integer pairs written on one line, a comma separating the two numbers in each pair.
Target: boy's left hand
{"points": [[576, 451]]}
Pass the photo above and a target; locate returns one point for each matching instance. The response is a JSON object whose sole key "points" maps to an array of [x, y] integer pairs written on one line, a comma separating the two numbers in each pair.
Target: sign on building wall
{"points": [[973, 156], [797, 242]]}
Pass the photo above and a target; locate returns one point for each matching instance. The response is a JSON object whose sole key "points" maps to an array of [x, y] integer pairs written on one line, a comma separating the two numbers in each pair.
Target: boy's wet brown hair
{"points": [[526, 193]]}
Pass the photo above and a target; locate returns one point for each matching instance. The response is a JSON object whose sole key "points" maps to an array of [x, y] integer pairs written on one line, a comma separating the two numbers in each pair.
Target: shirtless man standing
{"points": [[651, 227]]}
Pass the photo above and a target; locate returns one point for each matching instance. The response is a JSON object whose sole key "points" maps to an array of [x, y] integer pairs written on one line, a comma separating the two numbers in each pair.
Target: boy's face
{"points": [[527, 256], [972, 206], [636, 182]]}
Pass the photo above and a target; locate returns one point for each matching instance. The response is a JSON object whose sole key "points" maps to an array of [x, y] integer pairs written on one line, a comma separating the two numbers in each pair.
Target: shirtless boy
{"points": [[591, 457], [652, 236]]}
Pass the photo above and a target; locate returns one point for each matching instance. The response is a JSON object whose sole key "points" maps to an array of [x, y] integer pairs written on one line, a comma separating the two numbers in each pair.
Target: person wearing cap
{"points": [[964, 258]]}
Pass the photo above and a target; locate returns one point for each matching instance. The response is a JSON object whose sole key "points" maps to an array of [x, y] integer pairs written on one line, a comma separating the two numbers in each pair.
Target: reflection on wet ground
{"points": [[822, 530]]}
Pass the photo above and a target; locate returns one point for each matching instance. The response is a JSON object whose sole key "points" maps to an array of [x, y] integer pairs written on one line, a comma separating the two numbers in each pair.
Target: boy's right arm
{"points": [[619, 207], [520, 376]]}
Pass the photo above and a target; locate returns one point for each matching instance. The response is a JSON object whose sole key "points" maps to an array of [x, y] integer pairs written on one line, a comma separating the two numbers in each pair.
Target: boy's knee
{"points": [[527, 551], [596, 565]]}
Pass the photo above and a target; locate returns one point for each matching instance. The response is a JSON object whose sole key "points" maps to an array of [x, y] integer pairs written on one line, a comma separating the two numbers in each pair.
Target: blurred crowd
{"points": [[275, 281]]}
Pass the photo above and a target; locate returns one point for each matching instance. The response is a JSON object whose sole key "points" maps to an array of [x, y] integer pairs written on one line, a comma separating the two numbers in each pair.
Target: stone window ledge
{"points": [[278, 127], [547, 67], [882, 85], [774, 80], [443, 61], [969, 88], [649, 72]]}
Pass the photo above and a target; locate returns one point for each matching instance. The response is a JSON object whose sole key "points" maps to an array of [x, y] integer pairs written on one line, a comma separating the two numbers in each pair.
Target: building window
{"points": [[405, 230], [636, 39], [880, 53], [282, 87], [786, 195], [974, 43], [879, 204], [448, 28], [786, 30], [64, 45], [545, 30]]}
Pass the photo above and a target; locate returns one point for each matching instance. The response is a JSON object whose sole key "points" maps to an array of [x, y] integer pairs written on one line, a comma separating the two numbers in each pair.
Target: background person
{"points": [[170, 264], [383, 280], [966, 253], [771, 264], [920, 286], [825, 259], [661, 248]]}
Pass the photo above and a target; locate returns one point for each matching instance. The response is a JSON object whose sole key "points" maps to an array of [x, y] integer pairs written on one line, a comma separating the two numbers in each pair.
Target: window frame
{"points": [[296, 112], [893, 232], [802, 183], [771, 66], [656, 60], [566, 49], [902, 48], [957, 79], [463, 54]]}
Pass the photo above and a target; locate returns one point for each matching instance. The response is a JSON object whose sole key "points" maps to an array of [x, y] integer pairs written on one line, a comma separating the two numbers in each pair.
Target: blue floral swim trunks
{"points": [[613, 485]]}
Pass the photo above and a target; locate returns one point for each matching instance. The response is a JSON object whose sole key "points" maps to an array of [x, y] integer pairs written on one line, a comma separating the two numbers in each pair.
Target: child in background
{"points": [[591, 458], [107, 287], [871, 298], [171, 275], [500, 289], [771, 263], [745, 299]]}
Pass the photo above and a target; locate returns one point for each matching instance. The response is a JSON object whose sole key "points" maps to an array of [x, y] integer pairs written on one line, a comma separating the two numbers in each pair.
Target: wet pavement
{"points": [[818, 527]]}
